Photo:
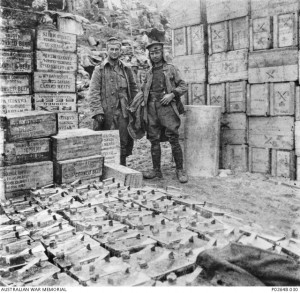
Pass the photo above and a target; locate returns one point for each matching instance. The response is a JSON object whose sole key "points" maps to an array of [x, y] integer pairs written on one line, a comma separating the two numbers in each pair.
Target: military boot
{"points": [[178, 158], [156, 156]]}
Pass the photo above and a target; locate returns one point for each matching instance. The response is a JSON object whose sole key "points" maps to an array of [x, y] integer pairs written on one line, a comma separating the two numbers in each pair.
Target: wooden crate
{"points": [[297, 138], [276, 65], [272, 132], [13, 84], [282, 98], [229, 66], [32, 124], [54, 82], [67, 121], [26, 176], [260, 160], [235, 157], [239, 33], [81, 168], [70, 26], [236, 96], [234, 128], [258, 99], [55, 61], [197, 94], [197, 39], [16, 39], [16, 62], [15, 104], [27, 151], [179, 43], [270, 7], [261, 37], [216, 95], [110, 148], [285, 30], [54, 40], [192, 67], [218, 36], [55, 102], [283, 164], [125, 175], [226, 9], [76, 143]]}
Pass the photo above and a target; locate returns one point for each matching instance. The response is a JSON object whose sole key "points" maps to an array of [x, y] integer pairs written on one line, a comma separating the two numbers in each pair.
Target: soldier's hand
{"points": [[167, 99], [99, 117]]}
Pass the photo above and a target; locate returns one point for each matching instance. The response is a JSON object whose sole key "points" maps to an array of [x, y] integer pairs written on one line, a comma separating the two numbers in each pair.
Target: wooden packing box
{"points": [[226, 9], [82, 168], [235, 157], [16, 62], [197, 39], [54, 82], [76, 143], [270, 7], [110, 148], [70, 26], [27, 151], [236, 96], [125, 175], [218, 35], [261, 37], [234, 128], [297, 138], [271, 132], [216, 95], [15, 104], [12, 84], [32, 124], [55, 102], [197, 94], [192, 67], [258, 99], [179, 42], [55, 40], [55, 61], [228, 66], [16, 39], [26, 176], [260, 160], [276, 65], [283, 164], [67, 121]]}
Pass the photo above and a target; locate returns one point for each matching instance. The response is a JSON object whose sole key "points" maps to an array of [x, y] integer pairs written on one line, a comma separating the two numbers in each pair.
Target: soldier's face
{"points": [[156, 56], [114, 51]]}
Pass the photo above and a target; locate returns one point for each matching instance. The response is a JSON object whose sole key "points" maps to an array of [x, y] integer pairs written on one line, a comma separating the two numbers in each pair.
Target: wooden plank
{"points": [[82, 168], [229, 66], [16, 39], [283, 164], [125, 175], [33, 124], [216, 95], [54, 82], [226, 9], [54, 40], [29, 151], [76, 143], [27, 176], [270, 7], [235, 157], [297, 138], [234, 128], [236, 96], [196, 39], [282, 99], [258, 99], [261, 33], [192, 67], [67, 121], [239, 33], [273, 66], [297, 102], [259, 160], [180, 42], [12, 84], [15, 104], [110, 147], [70, 26], [15, 62], [55, 102], [219, 37], [272, 132], [197, 94], [202, 131], [55, 61]]}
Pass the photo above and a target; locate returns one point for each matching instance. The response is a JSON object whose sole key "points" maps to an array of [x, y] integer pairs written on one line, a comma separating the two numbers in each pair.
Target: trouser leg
{"points": [[176, 152], [156, 155]]}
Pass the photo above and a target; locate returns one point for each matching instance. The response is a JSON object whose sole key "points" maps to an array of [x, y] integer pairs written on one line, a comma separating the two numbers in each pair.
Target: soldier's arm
{"points": [[95, 98], [181, 86], [132, 83]]}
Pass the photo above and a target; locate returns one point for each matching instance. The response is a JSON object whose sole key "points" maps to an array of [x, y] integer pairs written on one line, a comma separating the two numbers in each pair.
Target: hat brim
{"points": [[154, 43]]}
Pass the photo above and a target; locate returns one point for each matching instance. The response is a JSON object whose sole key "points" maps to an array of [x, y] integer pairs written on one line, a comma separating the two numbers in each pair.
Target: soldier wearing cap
{"points": [[112, 88], [162, 89]]}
